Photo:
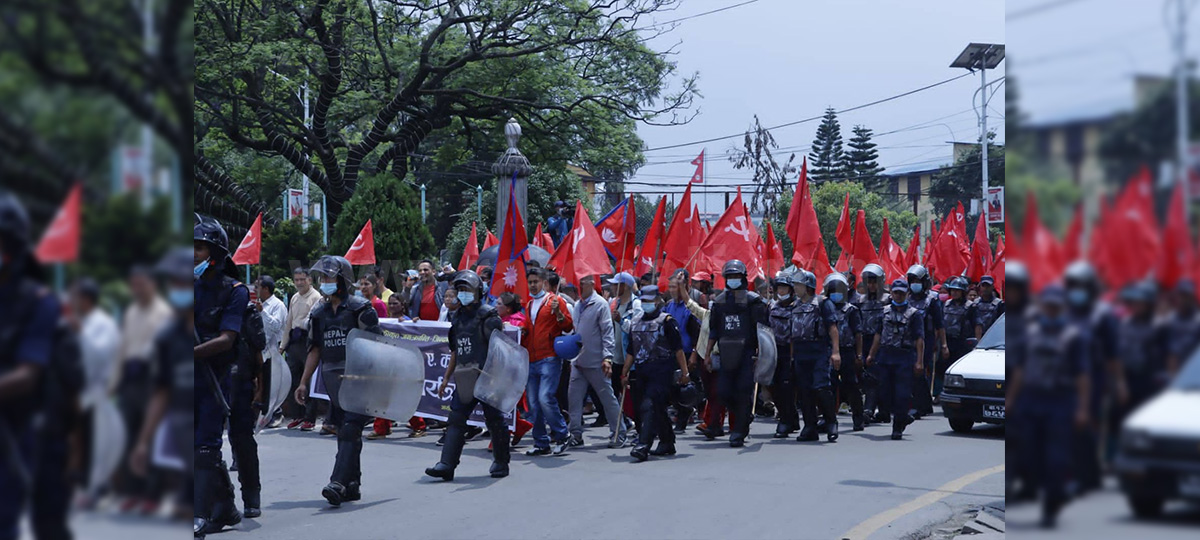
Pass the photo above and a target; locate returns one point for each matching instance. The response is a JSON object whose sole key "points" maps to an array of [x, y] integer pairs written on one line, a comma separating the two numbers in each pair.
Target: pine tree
{"points": [[861, 164], [825, 160]]}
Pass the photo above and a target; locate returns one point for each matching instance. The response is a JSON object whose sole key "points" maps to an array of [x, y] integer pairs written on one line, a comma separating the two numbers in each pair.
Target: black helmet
{"points": [[208, 230], [14, 220], [957, 283], [176, 264], [1082, 273], [836, 282], [1015, 273], [917, 272], [733, 267], [689, 395], [783, 278], [335, 266], [808, 279], [872, 270], [470, 279]]}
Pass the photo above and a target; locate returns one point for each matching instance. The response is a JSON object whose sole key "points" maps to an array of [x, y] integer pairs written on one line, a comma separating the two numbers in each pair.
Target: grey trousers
{"points": [[581, 378]]}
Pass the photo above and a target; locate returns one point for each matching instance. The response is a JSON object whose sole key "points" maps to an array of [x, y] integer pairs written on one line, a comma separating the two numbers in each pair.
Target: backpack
{"points": [[63, 379]]}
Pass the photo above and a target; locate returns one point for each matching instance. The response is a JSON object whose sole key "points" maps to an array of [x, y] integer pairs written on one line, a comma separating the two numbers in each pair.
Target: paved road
{"points": [[769, 489], [1105, 514]]}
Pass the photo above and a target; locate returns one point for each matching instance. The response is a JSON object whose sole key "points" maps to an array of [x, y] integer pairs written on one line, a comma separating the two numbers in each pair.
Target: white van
{"points": [[1159, 455], [974, 386]]}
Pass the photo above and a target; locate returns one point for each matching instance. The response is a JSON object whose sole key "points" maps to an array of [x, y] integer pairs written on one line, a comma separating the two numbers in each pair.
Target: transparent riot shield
{"points": [[383, 377], [505, 373], [764, 368], [108, 444], [281, 382]]}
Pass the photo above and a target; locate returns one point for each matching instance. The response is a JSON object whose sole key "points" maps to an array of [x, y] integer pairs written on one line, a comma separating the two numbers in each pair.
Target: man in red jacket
{"points": [[549, 318]]}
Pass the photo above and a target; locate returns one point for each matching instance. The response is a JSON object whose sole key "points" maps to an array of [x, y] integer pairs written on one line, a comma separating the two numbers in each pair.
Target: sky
{"points": [[787, 60]]}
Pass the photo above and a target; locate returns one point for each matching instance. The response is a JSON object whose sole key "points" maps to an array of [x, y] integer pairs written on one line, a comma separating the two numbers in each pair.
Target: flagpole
{"points": [[59, 277]]}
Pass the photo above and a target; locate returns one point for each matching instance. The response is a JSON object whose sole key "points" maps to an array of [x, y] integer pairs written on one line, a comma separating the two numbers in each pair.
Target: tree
{"points": [[770, 178], [961, 181], [288, 243], [383, 77], [825, 160], [395, 219], [827, 201], [1146, 136], [1056, 193], [861, 162], [139, 230]]}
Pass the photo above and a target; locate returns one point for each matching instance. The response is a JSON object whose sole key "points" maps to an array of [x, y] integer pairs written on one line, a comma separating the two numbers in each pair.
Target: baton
{"points": [[212, 381]]}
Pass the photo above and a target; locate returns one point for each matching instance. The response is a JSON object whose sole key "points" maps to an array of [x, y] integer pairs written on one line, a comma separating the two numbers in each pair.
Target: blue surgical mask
{"points": [[181, 298], [1077, 297], [649, 306], [733, 283], [899, 304], [916, 287], [1052, 322], [785, 297], [357, 293], [200, 268], [837, 297], [329, 289], [539, 294], [465, 298]]}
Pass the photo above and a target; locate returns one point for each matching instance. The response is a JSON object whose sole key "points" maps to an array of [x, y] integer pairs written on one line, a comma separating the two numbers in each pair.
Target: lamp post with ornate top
{"points": [[511, 163]]}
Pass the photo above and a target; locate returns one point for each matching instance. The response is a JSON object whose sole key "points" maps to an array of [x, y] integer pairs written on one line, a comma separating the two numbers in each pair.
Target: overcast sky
{"points": [[787, 60]]}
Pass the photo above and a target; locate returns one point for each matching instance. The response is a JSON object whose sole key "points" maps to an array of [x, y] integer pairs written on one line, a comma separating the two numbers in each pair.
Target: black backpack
{"points": [[63, 378]]}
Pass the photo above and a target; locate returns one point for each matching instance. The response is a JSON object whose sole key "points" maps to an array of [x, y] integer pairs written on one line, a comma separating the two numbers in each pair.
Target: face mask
{"points": [[357, 293], [465, 297], [199, 269], [734, 283], [329, 289], [649, 306], [916, 287], [785, 297], [538, 295], [837, 297], [899, 304], [181, 298], [1077, 297], [1051, 322]]}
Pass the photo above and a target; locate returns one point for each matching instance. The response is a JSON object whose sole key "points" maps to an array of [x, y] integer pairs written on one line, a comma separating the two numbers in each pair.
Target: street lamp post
{"points": [[981, 56], [512, 170]]}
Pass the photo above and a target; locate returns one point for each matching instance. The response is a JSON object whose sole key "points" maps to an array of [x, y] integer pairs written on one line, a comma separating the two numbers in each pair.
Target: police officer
{"points": [[244, 407], [1141, 347], [930, 307], [1050, 389], [783, 383], [1097, 320], [1018, 314], [961, 326], [471, 328], [988, 307], [898, 349], [1183, 326], [655, 361], [849, 344], [28, 319], [221, 303], [814, 331], [736, 312], [870, 306], [331, 321]]}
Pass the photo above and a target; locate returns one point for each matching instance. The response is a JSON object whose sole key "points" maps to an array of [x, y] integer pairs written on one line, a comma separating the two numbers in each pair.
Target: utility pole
{"points": [[981, 56], [1181, 104]]}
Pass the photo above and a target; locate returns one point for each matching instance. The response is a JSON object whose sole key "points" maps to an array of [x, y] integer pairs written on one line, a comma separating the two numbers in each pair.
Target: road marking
{"points": [[878, 521]]}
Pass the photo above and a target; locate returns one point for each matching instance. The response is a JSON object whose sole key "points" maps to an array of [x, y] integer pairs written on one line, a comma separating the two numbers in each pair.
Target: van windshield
{"points": [[993, 339], [1189, 376]]}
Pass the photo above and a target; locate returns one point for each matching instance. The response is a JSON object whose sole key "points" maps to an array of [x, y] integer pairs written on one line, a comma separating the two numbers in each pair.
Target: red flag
{"points": [[489, 240], [1177, 257], [539, 239], [612, 228], [362, 251], [842, 265], [581, 253], [844, 234], [471, 252], [981, 251], [929, 257], [509, 274], [60, 242], [951, 251], [698, 176], [733, 237], [648, 258], [1133, 233], [890, 256], [774, 260], [997, 269], [250, 250], [1043, 252], [1098, 249], [863, 251], [683, 238], [802, 225], [625, 258], [913, 255], [1071, 247], [820, 263]]}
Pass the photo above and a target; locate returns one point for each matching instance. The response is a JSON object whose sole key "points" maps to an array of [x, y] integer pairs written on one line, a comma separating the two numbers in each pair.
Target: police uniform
{"points": [[811, 349], [900, 328], [328, 330], [960, 319], [1141, 348], [783, 383], [932, 314], [733, 323], [849, 323], [242, 417], [655, 342], [987, 310]]}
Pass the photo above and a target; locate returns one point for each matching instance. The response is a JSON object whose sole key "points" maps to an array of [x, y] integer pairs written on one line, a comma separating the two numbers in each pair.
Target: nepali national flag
{"points": [[509, 274], [617, 231]]}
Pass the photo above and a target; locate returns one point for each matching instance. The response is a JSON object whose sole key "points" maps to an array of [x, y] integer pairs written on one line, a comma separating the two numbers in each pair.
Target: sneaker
{"points": [[334, 493], [560, 447], [535, 451], [600, 422], [574, 441], [276, 420], [295, 424], [375, 435], [616, 441], [307, 426], [472, 432], [416, 433]]}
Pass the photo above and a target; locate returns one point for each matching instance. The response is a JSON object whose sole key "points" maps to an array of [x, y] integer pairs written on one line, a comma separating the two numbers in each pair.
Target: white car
{"points": [[974, 386], [1159, 455]]}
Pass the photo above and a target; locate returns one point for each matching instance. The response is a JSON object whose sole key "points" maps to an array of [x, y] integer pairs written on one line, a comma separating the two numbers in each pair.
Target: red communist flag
{"points": [[60, 242], [820, 264], [774, 260], [698, 176], [913, 255], [844, 235], [489, 240], [733, 237], [509, 274], [1177, 257], [1043, 253], [981, 251], [539, 240], [1074, 236], [952, 251], [862, 252], [891, 258], [683, 238], [1133, 232], [648, 256], [250, 250], [997, 269], [581, 253], [802, 225], [362, 251], [1098, 250], [471, 252], [929, 257]]}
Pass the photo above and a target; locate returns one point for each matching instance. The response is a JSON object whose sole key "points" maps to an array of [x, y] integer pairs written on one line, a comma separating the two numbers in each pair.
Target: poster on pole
{"points": [[995, 204], [295, 203], [433, 340]]}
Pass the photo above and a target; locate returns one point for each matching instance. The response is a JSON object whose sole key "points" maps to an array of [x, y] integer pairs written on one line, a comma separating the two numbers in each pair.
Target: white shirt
{"points": [[99, 344], [534, 306], [274, 313]]}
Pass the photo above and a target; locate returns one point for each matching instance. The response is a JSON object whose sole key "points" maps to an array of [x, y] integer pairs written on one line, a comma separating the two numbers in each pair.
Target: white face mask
{"points": [[785, 297], [539, 294], [649, 306], [733, 283]]}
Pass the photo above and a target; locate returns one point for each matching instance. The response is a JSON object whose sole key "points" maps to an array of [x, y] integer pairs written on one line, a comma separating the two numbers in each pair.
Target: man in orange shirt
{"points": [[549, 318]]}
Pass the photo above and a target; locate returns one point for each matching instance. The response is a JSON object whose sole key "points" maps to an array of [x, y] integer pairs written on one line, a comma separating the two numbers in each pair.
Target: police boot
{"points": [[224, 512], [353, 492], [640, 453], [251, 504], [441, 470], [663, 449], [498, 470], [829, 410], [898, 425], [335, 493], [809, 432]]}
